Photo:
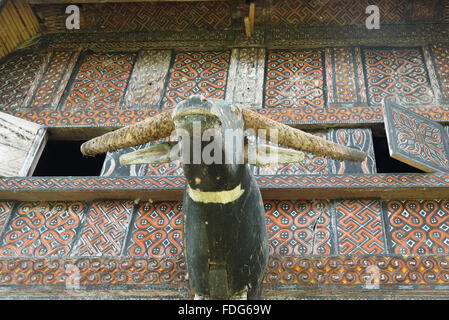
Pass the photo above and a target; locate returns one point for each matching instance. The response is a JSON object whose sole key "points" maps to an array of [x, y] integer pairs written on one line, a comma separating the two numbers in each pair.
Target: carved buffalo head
{"points": [[211, 120]]}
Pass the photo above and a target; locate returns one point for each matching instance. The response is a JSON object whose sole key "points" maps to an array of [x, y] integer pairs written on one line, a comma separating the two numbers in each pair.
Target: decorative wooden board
{"points": [[167, 188], [21, 143], [415, 139]]}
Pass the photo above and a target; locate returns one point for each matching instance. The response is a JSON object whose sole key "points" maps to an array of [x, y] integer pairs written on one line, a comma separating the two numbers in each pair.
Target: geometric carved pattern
{"points": [[100, 82], [147, 81], [359, 227], [295, 79], [323, 270], [399, 71], [418, 227], [19, 74], [55, 78], [415, 139], [334, 115], [95, 271], [152, 16], [123, 185], [203, 73], [297, 228], [172, 168], [156, 230], [42, 229], [440, 55], [343, 12], [105, 229], [5, 209], [112, 168], [346, 76], [354, 270], [164, 16], [357, 138], [426, 10]]}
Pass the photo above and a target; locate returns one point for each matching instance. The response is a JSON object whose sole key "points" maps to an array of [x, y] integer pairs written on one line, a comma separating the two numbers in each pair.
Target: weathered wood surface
{"points": [[147, 81], [21, 142]]}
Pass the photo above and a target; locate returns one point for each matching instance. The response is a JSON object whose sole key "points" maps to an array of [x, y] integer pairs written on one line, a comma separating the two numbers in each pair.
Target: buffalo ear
{"points": [[157, 154], [264, 155]]}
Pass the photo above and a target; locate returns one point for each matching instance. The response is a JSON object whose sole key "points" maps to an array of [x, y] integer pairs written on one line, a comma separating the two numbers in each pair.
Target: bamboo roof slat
{"points": [[17, 25]]}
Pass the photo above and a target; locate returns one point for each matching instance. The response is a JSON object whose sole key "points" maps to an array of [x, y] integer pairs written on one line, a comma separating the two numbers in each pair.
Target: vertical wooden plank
{"points": [[252, 10], [105, 230], [34, 153], [432, 74], [439, 59], [360, 75], [232, 74], [54, 227], [147, 81], [247, 74], [329, 67]]}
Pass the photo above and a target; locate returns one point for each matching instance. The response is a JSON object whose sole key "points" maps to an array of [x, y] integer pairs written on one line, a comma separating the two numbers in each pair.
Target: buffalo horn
{"points": [[150, 129], [300, 140]]}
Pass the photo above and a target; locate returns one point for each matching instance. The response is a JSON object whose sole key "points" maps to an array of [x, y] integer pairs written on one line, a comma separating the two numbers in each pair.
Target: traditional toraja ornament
{"points": [[224, 218], [415, 139]]}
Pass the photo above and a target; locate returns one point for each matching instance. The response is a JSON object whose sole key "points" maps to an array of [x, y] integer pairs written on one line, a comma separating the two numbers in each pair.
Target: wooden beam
{"points": [[104, 1], [252, 9], [247, 27], [285, 187]]}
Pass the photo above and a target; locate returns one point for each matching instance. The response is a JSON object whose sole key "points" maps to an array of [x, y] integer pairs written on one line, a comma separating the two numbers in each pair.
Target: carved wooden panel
{"points": [[54, 79], [197, 72], [19, 74], [100, 82], [397, 72], [417, 227], [43, 228], [415, 139], [146, 85], [246, 77], [294, 78]]}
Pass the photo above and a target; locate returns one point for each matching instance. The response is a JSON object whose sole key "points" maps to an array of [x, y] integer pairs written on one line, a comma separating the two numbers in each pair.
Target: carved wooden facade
{"points": [[314, 66]]}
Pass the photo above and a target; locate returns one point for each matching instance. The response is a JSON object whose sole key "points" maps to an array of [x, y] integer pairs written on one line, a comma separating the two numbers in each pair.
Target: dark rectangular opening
{"points": [[385, 163], [64, 158]]}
